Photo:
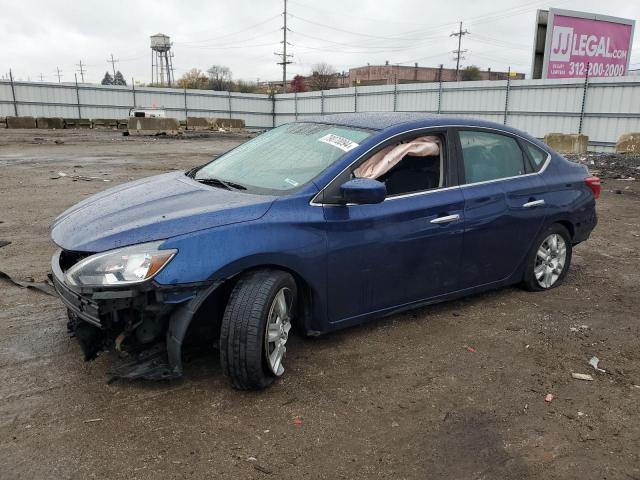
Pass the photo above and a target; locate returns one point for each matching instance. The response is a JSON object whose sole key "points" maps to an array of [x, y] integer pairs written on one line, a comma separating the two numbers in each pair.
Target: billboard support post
{"points": [[585, 88]]}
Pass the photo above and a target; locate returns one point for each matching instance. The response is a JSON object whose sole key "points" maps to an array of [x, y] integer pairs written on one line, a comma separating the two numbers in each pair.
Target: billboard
{"points": [[575, 44]]}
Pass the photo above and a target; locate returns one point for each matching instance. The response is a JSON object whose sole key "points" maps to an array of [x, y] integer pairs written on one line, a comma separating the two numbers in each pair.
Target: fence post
{"points": [[395, 96], [295, 104], [355, 99], [78, 97], [186, 110], [133, 91], [273, 109], [506, 97], [585, 87], [321, 102], [229, 92], [13, 94], [440, 87]]}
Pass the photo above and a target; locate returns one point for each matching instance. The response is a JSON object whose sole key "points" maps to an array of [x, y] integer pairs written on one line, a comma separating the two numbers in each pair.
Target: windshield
{"points": [[281, 159]]}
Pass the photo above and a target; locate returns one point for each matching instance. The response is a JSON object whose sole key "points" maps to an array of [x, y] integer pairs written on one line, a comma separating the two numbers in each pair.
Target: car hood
{"points": [[150, 209]]}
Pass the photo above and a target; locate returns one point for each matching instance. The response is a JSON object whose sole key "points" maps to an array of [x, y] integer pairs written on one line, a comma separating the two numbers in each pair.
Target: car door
{"points": [[504, 206], [402, 250]]}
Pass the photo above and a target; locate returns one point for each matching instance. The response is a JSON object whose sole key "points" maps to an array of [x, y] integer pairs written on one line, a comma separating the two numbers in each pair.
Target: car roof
{"points": [[383, 120]]}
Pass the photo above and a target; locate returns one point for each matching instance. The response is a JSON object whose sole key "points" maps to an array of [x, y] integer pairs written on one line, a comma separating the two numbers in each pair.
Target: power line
{"points": [[460, 33], [113, 64], [82, 70], [285, 58]]}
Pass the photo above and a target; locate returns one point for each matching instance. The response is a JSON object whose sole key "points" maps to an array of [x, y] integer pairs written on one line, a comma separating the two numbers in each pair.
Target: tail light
{"points": [[594, 184]]}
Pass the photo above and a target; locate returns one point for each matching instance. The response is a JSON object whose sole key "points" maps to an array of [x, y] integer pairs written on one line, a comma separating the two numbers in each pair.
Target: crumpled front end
{"points": [[143, 324]]}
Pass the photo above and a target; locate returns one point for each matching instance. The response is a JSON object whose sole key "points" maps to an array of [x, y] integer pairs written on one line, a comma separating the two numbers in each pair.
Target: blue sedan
{"points": [[315, 225]]}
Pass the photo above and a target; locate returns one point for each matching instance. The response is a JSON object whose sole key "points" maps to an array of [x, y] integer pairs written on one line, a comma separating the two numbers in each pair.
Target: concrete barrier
{"points": [[153, 126], [198, 123], [21, 122], [104, 122], [567, 143], [50, 122], [77, 123], [3, 122], [212, 123], [628, 143]]}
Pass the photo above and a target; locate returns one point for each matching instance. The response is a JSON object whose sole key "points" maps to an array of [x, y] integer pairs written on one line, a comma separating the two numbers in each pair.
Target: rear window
{"points": [[490, 156], [538, 156], [284, 158]]}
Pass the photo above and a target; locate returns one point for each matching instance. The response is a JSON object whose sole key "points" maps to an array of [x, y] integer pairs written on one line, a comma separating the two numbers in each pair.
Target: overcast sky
{"points": [[40, 35]]}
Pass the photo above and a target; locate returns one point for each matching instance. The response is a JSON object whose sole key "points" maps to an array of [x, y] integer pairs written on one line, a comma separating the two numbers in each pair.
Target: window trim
{"points": [[519, 140], [454, 161], [450, 174]]}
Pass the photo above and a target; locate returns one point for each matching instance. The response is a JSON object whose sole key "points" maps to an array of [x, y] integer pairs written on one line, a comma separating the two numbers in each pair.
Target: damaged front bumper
{"points": [[145, 324]]}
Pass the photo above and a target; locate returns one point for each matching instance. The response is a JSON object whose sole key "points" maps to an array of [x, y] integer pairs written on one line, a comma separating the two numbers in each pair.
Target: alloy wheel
{"points": [[550, 260], [277, 330]]}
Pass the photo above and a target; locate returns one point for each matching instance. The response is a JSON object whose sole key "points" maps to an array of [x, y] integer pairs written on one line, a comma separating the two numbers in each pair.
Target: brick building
{"points": [[389, 74]]}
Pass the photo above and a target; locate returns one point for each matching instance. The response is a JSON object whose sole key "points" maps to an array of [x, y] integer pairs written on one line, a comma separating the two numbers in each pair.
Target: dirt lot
{"points": [[400, 398]]}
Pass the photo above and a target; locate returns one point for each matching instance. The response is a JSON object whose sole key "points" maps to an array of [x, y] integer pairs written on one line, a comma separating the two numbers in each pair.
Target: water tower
{"points": [[161, 60]]}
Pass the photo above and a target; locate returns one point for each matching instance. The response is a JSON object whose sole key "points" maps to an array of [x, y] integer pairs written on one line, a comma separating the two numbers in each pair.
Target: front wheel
{"points": [[549, 259], [255, 328]]}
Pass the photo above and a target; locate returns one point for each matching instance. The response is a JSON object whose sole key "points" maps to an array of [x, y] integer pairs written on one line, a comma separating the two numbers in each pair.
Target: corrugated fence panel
{"points": [[417, 98], [612, 105]]}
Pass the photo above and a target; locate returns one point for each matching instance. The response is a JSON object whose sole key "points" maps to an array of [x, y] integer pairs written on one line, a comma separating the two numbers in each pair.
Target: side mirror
{"points": [[362, 191]]}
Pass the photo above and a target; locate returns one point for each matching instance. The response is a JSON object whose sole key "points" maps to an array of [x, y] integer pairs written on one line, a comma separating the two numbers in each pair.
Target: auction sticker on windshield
{"points": [[340, 142]]}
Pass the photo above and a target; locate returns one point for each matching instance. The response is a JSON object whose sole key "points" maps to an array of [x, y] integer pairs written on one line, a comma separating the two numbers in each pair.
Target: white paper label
{"points": [[337, 141]]}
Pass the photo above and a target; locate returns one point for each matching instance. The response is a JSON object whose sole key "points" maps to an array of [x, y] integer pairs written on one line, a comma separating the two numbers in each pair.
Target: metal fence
{"points": [[109, 101], [602, 108]]}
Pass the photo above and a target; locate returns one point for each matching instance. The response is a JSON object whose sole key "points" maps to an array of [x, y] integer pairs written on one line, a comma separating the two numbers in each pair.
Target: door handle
{"points": [[446, 219], [533, 203]]}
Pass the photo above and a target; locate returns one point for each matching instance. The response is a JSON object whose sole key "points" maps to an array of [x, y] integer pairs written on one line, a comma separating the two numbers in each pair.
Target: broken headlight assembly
{"points": [[124, 266]]}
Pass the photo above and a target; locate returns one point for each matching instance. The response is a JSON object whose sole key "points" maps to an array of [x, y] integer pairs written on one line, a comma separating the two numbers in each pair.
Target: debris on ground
{"points": [[297, 421], [4, 243], [74, 177], [609, 165], [93, 420], [582, 376], [470, 349], [549, 397], [43, 287], [594, 363]]}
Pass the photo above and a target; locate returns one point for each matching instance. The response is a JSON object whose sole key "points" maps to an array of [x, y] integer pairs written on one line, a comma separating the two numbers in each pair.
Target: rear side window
{"points": [[490, 156], [537, 156]]}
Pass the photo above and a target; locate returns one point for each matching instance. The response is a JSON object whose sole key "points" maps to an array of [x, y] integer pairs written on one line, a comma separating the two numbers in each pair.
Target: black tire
{"points": [[242, 333], [530, 282]]}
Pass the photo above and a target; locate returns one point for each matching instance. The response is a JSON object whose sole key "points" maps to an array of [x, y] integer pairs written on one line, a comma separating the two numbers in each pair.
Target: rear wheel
{"points": [[255, 328], [549, 259]]}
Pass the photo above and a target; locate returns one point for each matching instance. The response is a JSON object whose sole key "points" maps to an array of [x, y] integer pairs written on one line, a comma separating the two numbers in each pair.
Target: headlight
{"points": [[123, 266]]}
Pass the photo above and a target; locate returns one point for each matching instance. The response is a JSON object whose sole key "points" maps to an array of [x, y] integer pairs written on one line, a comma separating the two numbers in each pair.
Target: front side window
{"points": [[490, 156], [408, 167], [282, 159]]}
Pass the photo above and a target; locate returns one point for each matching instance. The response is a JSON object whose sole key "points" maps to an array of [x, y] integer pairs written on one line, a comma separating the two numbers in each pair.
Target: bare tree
{"points": [[323, 77], [194, 78], [219, 77]]}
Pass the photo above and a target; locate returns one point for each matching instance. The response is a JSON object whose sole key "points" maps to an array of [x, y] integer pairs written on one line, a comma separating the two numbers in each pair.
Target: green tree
{"points": [[194, 79], [119, 79], [471, 73], [108, 79]]}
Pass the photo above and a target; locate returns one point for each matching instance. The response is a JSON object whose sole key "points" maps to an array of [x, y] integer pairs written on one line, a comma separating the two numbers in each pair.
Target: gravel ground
{"points": [[403, 397]]}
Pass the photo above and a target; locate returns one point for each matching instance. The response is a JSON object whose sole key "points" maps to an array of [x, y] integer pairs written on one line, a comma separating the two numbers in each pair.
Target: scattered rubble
{"points": [[610, 166]]}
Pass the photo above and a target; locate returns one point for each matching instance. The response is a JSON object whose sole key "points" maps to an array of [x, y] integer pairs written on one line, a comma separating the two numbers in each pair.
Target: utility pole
{"points": [[113, 64], [285, 58], [59, 75], [41, 77], [81, 71], [460, 33]]}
